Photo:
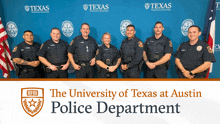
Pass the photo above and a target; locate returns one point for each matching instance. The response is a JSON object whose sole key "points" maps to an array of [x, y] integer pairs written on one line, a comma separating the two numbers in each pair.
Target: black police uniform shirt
{"points": [[26, 52], [192, 56], [131, 51], [55, 53], [156, 48], [110, 53], [83, 49]]}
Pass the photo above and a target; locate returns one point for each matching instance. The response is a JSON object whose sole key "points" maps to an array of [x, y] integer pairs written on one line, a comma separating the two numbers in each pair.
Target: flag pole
{"points": [[6, 60]]}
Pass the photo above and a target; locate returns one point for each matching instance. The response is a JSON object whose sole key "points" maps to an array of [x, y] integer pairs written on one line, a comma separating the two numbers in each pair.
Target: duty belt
{"points": [[25, 70], [132, 66], [84, 63], [33, 69], [58, 64]]}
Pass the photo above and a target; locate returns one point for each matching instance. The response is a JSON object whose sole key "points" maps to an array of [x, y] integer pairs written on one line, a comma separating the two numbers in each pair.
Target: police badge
{"points": [[199, 48]]}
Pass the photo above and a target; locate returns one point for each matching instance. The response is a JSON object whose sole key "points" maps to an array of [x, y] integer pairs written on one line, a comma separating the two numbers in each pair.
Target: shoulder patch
{"points": [[15, 49], [140, 44], [178, 48], [41, 46], [71, 42], [209, 49], [170, 44]]}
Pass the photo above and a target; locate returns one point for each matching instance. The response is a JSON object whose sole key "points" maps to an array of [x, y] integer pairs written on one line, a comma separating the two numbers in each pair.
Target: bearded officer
{"points": [[157, 52], [194, 57], [53, 54], [81, 53], [131, 54], [25, 57]]}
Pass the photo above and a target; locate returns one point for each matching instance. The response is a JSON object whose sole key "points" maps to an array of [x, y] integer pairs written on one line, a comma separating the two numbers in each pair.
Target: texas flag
{"points": [[209, 30]]}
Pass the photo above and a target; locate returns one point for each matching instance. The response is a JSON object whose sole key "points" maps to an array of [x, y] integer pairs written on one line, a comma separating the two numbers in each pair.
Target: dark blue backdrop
{"points": [[106, 16]]}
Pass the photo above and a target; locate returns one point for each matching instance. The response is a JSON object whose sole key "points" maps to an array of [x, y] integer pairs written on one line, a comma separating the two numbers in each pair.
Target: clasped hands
{"points": [[187, 74], [151, 65], [124, 66], [78, 67], [34, 63], [54, 68], [112, 68]]}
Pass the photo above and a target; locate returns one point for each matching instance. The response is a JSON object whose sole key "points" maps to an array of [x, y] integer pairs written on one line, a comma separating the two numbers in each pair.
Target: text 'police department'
{"points": [[104, 107]]}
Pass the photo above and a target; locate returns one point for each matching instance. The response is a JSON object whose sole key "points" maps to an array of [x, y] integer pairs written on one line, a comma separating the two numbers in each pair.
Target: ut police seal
{"points": [[124, 25], [12, 29], [67, 28], [32, 100], [185, 26]]}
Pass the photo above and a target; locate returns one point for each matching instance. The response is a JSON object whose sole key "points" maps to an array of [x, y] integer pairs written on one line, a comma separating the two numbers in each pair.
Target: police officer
{"points": [[108, 58], [25, 57], [131, 54], [81, 53], [157, 52], [53, 54], [194, 57]]}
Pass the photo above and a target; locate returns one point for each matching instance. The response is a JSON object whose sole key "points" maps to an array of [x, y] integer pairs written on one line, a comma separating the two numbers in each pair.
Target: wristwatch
{"points": [[107, 68], [190, 73]]}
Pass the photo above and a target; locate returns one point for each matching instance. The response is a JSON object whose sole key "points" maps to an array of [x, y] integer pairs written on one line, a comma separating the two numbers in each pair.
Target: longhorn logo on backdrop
{"points": [[124, 25], [217, 5], [67, 28], [12, 29], [85, 7], [37, 8], [96, 7], [32, 100], [158, 6], [185, 26]]}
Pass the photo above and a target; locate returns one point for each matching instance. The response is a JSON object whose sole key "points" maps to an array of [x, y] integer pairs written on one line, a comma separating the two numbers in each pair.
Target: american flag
{"points": [[5, 55], [209, 30]]}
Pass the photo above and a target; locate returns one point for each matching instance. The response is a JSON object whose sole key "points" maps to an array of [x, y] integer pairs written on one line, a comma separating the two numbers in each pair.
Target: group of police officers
{"points": [[53, 57]]}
